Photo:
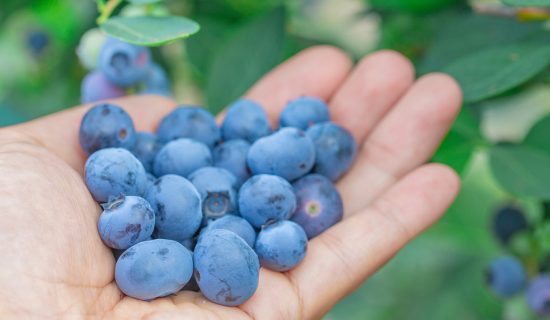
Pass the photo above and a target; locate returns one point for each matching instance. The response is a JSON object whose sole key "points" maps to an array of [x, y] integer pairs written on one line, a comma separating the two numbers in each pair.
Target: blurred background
{"points": [[441, 274]]}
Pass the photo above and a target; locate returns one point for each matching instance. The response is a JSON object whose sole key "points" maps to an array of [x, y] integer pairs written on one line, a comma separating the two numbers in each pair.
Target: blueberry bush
{"points": [[488, 258]]}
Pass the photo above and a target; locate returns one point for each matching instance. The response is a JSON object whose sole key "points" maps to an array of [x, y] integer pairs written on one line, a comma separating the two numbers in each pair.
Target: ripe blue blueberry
{"points": [[177, 206], [123, 63], [96, 86], [538, 295], [106, 126], [245, 119], [506, 276], [281, 245], [125, 221], [114, 171], [218, 190], [319, 204], [146, 148], [335, 149], [236, 224], [153, 269], [507, 222], [265, 198], [37, 41], [231, 155], [181, 157], [189, 122], [288, 153], [304, 112], [156, 81], [226, 268]]}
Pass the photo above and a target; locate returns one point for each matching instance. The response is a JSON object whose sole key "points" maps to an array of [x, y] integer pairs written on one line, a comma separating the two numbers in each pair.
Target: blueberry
{"points": [[177, 206], [106, 126], [507, 222], [319, 204], [238, 225], [265, 198], [245, 119], [288, 153], [231, 155], [125, 221], [335, 149], [156, 81], [506, 276], [114, 171], [152, 269], [218, 190], [123, 63], [146, 148], [89, 47], [538, 295], [96, 86], [226, 268], [281, 245], [181, 157], [189, 122], [37, 41], [304, 112]]}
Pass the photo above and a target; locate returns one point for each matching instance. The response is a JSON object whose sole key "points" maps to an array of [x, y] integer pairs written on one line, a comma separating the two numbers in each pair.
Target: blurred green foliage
{"points": [[501, 63]]}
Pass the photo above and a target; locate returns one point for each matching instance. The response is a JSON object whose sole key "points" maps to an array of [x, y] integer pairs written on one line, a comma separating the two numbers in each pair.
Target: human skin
{"points": [[55, 265]]}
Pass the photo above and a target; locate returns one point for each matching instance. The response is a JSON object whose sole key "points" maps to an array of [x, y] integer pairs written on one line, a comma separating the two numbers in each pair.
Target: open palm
{"points": [[53, 263]]}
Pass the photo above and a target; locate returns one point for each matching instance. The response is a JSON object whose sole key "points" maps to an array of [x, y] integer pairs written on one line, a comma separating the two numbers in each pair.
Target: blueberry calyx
{"points": [[216, 204]]}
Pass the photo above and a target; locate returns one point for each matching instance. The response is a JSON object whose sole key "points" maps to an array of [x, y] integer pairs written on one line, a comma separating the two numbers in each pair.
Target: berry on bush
{"points": [[538, 295], [96, 86], [123, 63], [506, 276], [507, 222]]}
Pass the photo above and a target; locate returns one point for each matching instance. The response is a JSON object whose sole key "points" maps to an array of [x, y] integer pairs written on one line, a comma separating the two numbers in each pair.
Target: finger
{"points": [[375, 85], [341, 258], [405, 139], [317, 71], [59, 132]]}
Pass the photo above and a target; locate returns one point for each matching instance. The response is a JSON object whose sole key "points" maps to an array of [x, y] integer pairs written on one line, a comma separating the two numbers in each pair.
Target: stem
{"points": [[108, 10]]}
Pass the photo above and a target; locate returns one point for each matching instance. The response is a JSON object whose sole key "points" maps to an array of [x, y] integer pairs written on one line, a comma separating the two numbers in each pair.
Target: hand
{"points": [[53, 263]]}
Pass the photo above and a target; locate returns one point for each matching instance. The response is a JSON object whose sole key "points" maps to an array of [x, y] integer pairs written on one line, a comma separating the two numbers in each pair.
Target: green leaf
{"points": [[412, 6], [144, 1], [459, 145], [149, 31], [527, 3], [539, 135], [253, 51], [493, 71], [463, 34], [521, 170]]}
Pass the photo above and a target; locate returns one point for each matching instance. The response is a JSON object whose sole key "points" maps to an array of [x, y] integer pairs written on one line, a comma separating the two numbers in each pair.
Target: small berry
{"points": [[231, 155], [123, 63], [506, 276], [245, 119], [304, 112], [281, 246], [189, 122], [507, 222], [181, 157], [236, 224], [146, 148], [96, 86], [538, 295], [218, 190]]}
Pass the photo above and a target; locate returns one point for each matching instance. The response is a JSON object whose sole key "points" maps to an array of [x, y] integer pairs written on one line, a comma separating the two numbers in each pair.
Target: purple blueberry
{"points": [[319, 204], [304, 112], [238, 225], [106, 126], [231, 155], [114, 171], [218, 190], [177, 206], [226, 268], [124, 64], [153, 269], [265, 198], [146, 148], [125, 221], [189, 122], [245, 119], [156, 81], [96, 86], [538, 295], [181, 157], [281, 245], [335, 149], [288, 153], [506, 276], [507, 222]]}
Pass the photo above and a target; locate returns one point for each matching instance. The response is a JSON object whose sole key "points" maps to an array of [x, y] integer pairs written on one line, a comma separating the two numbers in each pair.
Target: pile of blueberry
{"points": [[198, 206], [118, 68], [508, 275]]}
